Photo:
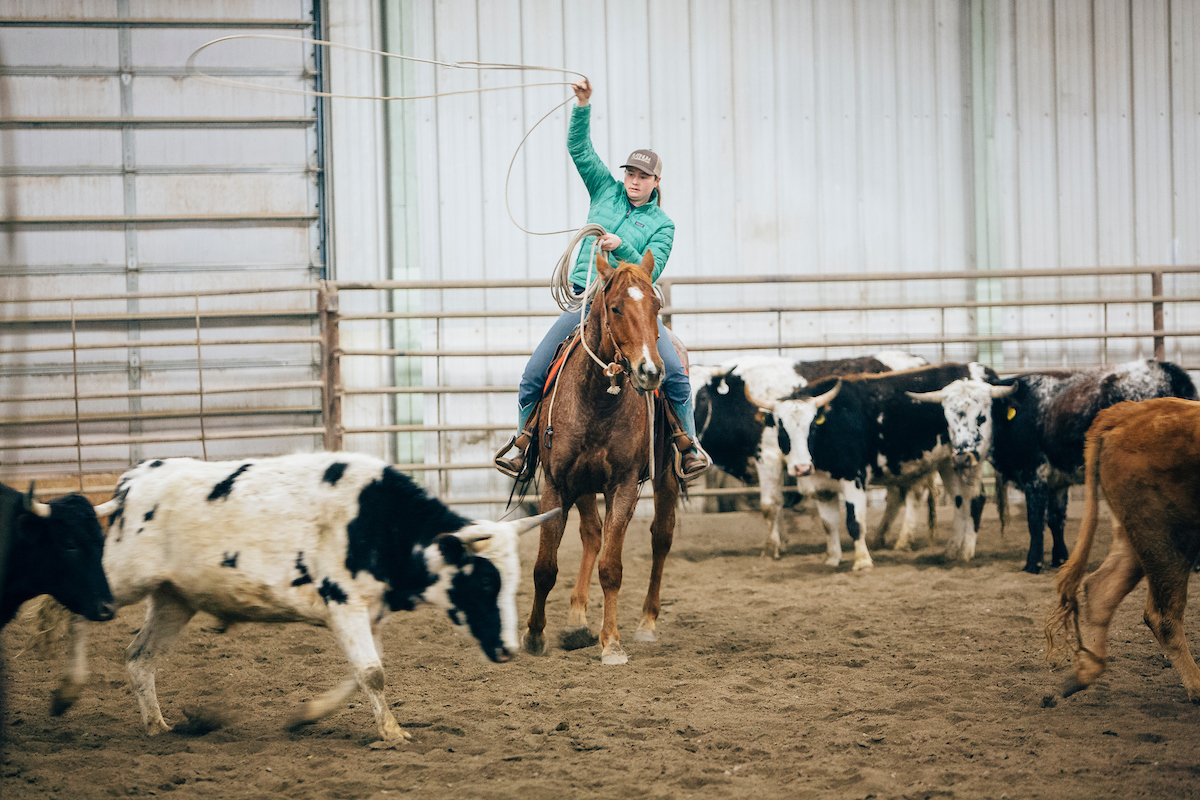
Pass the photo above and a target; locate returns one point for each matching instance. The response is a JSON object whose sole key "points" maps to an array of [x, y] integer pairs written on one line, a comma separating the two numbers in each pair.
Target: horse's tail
{"points": [[1065, 616]]}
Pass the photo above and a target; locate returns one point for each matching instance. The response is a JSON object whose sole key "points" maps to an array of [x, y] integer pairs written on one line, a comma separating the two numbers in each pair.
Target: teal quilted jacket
{"points": [[646, 226]]}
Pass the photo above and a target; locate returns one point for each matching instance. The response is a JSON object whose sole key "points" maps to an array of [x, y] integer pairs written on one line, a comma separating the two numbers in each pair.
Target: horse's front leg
{"points": [[620, 505], [577, 635], [662, 533], [545, 569]]}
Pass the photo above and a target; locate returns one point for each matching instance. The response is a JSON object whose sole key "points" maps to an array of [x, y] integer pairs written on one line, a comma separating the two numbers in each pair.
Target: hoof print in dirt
{"points": [[202, 720], [1048, 701], [576, 639]]}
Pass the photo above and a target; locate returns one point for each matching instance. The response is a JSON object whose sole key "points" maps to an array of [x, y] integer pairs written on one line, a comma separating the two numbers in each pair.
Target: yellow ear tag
{"points": [[820, 419], [1012, 412]]}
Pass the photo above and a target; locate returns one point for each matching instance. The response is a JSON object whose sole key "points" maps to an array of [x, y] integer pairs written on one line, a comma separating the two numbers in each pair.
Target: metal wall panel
{"points": [[76, 89]]}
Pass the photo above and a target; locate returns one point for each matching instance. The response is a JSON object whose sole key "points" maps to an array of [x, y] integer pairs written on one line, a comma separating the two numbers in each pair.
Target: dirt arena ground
{"points": [[772, 679]]}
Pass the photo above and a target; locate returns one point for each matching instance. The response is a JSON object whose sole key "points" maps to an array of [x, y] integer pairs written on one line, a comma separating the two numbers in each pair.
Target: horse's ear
{"points": [[648, 264], [602, 265]]}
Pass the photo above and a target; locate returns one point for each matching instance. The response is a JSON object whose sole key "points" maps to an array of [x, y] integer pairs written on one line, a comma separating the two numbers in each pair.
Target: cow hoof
{"points": [[614, 655], [644, 635], [155, 728], [863, 565], [576, 638], [1033, 569], [533, 644], [1057, 562], [390, 744], [833, 561], [64, 698]]}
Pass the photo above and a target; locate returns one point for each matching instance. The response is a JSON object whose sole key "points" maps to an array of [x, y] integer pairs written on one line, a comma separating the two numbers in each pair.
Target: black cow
{"points": [[865, 429], [1039, 429], [53, 548]]}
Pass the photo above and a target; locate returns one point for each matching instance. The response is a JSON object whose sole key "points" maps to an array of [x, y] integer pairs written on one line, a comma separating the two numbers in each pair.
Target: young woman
{"points": [[630, 210]]}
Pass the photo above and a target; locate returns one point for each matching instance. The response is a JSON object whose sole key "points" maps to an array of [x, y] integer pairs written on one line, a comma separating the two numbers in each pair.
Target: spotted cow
{"points": [[865, 429], [1033, 427], [332, 539], [739, 432]]}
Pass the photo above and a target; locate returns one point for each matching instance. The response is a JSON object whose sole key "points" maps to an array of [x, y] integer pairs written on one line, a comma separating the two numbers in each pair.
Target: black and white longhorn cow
{"points": [[739, 432], [865, 429], [1034, 425], [333, 539]]}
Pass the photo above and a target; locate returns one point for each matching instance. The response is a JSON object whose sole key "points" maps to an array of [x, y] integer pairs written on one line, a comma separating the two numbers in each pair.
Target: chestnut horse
{"points": [[592, 440]]}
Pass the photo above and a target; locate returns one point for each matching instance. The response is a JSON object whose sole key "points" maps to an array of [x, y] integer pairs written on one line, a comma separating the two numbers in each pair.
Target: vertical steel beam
{"points": [[988, 321], [129, 181], [1156, 290]]}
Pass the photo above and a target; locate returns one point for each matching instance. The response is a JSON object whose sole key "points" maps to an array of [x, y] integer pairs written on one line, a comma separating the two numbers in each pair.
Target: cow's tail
{"points": [[49, 620], [1064, 618], [1002, 502]]}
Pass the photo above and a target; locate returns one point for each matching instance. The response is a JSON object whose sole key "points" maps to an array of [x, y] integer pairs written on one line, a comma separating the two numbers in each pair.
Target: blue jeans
{"points": [[675, 383]]}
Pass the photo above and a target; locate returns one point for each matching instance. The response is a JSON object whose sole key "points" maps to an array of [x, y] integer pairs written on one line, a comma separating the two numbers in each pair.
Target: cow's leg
{"points": [[662, 534], [166, 615], [336, 697], [1098, 598], [912, 508], [1036, 494], [770, 491], [965, 485], [930, 494], [855, 495], [577, 634], [351, 626], [830, 509], [896, 497], [620, 504], [75, 669], [1056, 519], [1167, 573], [545, 569]]}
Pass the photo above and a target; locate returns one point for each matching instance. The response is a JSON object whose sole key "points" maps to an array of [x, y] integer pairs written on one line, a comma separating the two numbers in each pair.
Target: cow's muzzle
{"points": [[500, 655], [800, 470], [102, 612], [966, 460]]}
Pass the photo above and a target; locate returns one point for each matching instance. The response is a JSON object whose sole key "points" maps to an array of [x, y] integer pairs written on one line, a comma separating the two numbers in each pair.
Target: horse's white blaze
{"points": [[635, 293], [649, 359]]}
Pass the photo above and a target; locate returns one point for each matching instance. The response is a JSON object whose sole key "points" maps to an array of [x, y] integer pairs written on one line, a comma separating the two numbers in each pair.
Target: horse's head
{"points": [[631, 312]]}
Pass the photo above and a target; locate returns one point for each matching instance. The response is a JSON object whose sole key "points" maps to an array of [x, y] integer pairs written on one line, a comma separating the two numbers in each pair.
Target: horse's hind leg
{"points": [[577, 635], [545, 569], [662, 533]]}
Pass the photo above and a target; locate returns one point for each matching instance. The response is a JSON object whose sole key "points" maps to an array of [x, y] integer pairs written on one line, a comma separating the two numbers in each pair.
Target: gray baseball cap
{"points": [[645, 160]]}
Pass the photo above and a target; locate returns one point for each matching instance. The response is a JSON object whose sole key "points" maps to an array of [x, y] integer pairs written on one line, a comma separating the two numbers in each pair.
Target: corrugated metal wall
{"points": [[122, 173]]}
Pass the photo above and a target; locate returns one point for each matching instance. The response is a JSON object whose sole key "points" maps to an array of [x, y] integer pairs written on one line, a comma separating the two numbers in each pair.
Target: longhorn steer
{"points": [[865, 429], [52, 548], [1146, 457], [741, 435], [1034, 428], [333, 539]]}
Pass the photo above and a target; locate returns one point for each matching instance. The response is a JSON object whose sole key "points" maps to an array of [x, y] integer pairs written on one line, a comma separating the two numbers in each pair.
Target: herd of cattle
{"points": [[342, 540]]}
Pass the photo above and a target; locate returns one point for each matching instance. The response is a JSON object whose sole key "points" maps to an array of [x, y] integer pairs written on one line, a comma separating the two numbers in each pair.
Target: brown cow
{"points": [[1146, 457]]}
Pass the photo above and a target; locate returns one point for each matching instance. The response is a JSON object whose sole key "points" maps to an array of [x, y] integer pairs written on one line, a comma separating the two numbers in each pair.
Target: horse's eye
{"points": [[616, 311]]}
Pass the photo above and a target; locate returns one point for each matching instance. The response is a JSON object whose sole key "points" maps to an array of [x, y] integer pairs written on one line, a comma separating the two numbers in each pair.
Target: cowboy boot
{"points": [[690, 459], [514, 467]]}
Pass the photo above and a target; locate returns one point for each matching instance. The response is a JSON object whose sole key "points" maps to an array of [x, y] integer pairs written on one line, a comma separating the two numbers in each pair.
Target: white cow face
{"points": [[795, 419], [967, 404]]}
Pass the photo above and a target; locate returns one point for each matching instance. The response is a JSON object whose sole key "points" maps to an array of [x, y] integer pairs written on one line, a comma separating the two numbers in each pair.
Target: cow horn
{"points": [[529, 523], [41, 509], [108, 507], [926, 397], [827, 398], [1003, 391]]}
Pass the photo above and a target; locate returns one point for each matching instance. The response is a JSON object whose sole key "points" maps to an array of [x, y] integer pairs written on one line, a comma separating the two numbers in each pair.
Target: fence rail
{"points": [[321, 328]]}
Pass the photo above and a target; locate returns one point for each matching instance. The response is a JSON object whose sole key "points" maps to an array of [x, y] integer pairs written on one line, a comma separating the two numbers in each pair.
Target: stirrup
{"points": [[515, 466], [687, 477]]}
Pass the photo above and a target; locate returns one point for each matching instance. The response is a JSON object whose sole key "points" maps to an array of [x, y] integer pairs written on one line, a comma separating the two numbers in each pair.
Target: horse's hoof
{"points": [[613, 655], [1072, 685], [576, 638], [534, 645], [644, 635]]}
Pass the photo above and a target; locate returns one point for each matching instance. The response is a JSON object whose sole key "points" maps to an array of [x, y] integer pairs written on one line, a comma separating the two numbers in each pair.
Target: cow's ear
{"points": [[453, 550]]}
